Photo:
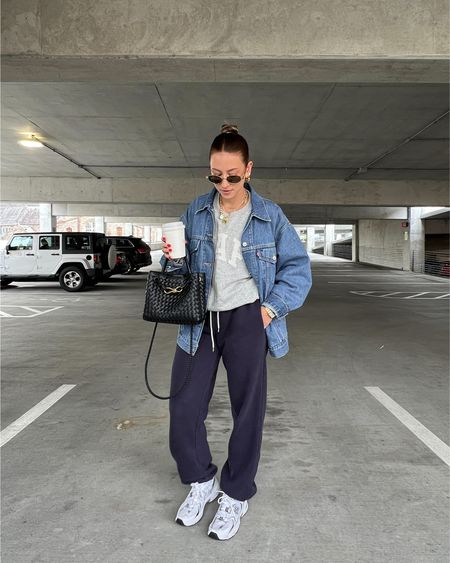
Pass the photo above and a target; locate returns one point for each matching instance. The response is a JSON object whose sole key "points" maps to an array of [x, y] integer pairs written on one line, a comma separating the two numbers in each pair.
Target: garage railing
{"points": [[433, 262]]}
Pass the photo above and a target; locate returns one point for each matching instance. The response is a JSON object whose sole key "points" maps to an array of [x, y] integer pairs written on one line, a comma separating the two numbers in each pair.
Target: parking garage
{"points": [[347, 122]]}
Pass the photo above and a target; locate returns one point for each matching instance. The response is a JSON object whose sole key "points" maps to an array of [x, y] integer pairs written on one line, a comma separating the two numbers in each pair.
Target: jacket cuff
{"points": [[277, 305]]}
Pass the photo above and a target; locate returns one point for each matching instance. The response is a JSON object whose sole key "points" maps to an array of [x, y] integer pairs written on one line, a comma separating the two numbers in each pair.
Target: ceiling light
{"points": [[31, 143]]}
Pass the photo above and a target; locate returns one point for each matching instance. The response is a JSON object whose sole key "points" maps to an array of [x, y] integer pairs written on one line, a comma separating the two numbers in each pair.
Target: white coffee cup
{"points": [[175, 236]]}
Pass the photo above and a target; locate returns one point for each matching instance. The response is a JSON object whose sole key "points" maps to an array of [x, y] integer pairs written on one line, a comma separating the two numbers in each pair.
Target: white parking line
{"points": [[36, 312], [32, 310], [356, 275], [59, 293], [386, 282], [3, 314], [402, 294], [435, 444], [17, 426]]}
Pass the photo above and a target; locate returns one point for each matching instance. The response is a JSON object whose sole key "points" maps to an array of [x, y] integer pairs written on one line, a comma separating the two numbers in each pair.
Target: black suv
{"points": [[137, 252]]}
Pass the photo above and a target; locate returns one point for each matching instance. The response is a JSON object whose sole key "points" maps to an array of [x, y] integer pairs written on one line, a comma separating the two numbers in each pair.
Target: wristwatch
{"points": [[269, 312]]}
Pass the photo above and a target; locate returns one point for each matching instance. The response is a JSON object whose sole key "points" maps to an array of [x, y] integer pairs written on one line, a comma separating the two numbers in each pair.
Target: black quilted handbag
{"points": [[175, 299]]}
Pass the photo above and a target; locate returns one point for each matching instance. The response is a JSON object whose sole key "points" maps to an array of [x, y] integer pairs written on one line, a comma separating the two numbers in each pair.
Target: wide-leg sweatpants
{"points": [[241, 342]]}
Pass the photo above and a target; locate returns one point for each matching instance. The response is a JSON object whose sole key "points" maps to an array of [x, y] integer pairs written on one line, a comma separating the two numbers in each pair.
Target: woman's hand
{"points": [[265, 317], [167, 248]]}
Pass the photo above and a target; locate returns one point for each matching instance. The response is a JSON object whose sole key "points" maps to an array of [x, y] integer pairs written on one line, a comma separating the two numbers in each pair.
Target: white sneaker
{"points": [[227, 520], [191, 510]]}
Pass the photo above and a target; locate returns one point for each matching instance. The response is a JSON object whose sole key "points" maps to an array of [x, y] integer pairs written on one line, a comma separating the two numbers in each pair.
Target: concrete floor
{"points": [[341, 479]]}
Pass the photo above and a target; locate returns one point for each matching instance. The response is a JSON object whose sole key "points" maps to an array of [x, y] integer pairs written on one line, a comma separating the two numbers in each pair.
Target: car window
{"points": [[124, 243], [138, 242], [120, 242], [21, 242], [49, 242], [101, 243], [77, 242]]}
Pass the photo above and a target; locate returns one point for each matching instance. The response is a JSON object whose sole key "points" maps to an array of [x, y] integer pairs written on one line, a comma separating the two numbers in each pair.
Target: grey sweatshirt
{"points": [[232, 285]]}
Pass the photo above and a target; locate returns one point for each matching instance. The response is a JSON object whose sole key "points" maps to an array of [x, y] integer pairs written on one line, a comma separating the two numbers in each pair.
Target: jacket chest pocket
{"points": [[266, 259]]}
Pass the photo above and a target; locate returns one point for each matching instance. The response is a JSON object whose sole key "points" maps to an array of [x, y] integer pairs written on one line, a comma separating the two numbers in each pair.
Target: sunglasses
{"points": [[230, 179]]}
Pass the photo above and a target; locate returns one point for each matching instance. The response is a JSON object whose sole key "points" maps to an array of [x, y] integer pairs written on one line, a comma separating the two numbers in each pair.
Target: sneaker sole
{"points": [[214, 536], [211, 499]]}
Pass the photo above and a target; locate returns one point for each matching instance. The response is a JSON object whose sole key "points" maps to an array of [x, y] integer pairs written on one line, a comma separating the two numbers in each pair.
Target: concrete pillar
{"points": [[147, 233], [99, 224], [355, 242], [47, 222], [414, 255], [128, 229], [310, 238], [329, 239]]}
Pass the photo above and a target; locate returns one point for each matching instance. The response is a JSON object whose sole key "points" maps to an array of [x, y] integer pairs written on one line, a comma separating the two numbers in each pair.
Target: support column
{"points": [[47, 222], [310, 238], [329, 239], [128, 229], [355, 242], [99, 224], [147, 233], [414, 255]]}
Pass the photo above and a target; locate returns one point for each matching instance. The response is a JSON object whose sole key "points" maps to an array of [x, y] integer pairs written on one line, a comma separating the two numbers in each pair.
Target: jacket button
{"points": [[274, 257], [244, 244]]}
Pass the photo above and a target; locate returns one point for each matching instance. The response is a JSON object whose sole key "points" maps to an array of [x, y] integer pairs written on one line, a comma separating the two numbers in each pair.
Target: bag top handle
{"points": [[187, 260]]}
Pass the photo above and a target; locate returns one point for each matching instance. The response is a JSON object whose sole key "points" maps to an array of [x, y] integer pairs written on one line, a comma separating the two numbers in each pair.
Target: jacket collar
{"points": [[258, 206]]}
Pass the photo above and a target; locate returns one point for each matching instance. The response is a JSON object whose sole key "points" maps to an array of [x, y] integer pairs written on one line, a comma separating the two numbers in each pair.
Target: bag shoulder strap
{"points": [[188, 372]]}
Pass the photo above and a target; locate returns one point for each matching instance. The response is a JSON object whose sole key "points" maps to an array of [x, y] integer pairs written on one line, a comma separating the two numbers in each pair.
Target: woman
{"points": [[257, 271]]}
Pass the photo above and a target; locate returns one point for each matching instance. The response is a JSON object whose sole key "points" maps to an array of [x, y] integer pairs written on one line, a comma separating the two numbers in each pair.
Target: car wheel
{"points": [[129, 266], [72, 278]]}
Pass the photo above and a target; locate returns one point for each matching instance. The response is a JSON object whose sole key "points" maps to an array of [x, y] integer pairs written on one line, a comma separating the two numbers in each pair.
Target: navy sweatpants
{"points": [[241, 342]]}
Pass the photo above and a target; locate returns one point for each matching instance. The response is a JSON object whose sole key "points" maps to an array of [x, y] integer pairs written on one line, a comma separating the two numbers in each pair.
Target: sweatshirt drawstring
{"points": [[211, 326], [211, 329]]}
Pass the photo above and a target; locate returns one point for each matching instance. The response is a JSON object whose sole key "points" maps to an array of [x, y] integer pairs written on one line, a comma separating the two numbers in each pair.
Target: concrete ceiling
{"points": [[295, 130]]}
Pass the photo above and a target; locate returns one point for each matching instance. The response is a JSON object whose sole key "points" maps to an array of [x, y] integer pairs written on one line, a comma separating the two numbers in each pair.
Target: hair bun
{"points": [[228, 128]]}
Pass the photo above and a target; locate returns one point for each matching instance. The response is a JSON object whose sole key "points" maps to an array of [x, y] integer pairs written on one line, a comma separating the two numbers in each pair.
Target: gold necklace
{"points": [[223, 215]]}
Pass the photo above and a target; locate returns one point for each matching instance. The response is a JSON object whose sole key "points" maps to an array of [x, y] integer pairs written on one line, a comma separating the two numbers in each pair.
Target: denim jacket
{"points": [[273, 252]]}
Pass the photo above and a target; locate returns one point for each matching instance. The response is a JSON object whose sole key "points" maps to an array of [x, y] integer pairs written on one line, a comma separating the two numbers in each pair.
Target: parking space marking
{"points": [[402, 294], [391, 282], [59, 299], [436, 445], [35, 310], [356, 275], [3, 314], [46, 293], [55, 300], [30, 416]]}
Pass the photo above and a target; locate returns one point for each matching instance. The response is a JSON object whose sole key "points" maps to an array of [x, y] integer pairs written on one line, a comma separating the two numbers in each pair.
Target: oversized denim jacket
{"points": [[273, 252]]}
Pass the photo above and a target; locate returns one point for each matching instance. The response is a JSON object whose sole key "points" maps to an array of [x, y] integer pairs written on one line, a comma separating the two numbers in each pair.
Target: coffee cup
{"points": [[175, 236]]}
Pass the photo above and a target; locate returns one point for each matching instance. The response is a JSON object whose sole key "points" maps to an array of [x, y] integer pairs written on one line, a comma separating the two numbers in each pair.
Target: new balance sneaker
{"points": [[227, 520], [191, 510]]}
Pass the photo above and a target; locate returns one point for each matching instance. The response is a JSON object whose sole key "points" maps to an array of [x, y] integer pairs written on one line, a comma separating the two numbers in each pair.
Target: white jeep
{"points": [[76, 260]]}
